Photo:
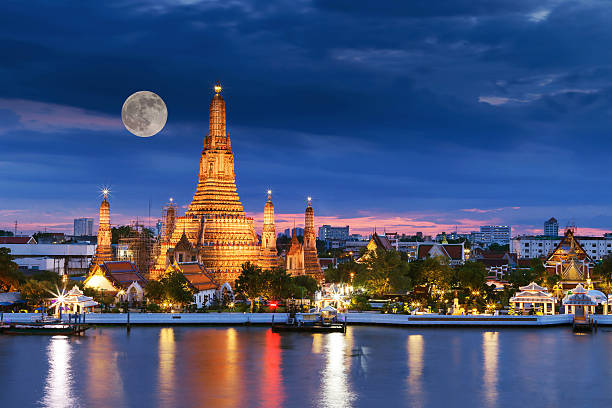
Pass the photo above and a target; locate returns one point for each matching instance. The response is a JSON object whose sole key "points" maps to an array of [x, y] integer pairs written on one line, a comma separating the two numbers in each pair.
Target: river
{"points": [[253, 367]]}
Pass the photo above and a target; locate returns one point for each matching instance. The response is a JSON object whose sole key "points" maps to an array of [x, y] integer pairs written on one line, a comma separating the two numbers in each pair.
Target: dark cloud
{"points": [[423, 105]]}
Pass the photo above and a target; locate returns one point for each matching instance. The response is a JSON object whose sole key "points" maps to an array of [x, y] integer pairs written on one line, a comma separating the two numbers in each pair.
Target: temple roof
{"points": [[533, 287], [122, 273], [568, 247], [197, 276]]}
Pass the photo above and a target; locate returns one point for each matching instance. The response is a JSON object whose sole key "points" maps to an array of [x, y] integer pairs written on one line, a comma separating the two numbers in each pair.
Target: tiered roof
{"points": [[122, 274]]}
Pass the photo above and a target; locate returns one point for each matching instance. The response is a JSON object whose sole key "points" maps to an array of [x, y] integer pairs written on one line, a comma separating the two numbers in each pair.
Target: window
{"points": [[193, 258], [540, 244], [180, 257]]}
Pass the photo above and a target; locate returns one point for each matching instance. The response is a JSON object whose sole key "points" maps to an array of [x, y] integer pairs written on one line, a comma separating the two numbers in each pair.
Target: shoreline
{"points": [[364, 318]]}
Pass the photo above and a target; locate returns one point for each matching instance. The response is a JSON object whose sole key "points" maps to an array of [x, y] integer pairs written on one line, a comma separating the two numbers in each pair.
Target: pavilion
{"points": [[534, 294], [580, 302]]}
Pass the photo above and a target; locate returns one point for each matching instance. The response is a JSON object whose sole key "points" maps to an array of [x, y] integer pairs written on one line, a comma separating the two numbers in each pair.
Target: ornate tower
{"points": [[295, 256], [269, 256], [103, 249], [169, 221], [216, 191], [311, 259], [215, 223]]}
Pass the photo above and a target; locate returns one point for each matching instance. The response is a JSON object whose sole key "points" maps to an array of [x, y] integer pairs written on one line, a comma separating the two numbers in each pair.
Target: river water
{"points": [[253, 367]]}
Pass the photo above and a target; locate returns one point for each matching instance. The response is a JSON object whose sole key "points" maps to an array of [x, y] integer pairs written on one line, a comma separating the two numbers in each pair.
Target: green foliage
{"points": [[384, 272], [10, 275], [273, 284], [117, 233], [173, 287], [359, 302], [4, 233], [471, 275], [342, 272], [432, 272], [47, 276], [36, 292], [603, 272]]}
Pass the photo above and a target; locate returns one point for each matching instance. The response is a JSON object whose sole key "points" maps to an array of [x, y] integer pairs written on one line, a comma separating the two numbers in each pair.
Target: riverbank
{"points": [[375, 319]]}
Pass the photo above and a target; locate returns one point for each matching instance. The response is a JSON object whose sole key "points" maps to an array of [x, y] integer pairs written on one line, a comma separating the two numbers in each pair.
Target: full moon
{"points": [[144, 113]]}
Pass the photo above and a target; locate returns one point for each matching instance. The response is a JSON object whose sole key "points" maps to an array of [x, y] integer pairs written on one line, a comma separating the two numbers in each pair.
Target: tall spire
{"points": [[103, 249], [312, 266], [269, 256], [216, 191], [217, 131]]}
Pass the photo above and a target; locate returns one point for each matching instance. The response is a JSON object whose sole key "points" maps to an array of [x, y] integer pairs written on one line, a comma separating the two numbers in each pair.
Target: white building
{"points": [[71, 259], [529, 246], [495, 234], [83, 226]]}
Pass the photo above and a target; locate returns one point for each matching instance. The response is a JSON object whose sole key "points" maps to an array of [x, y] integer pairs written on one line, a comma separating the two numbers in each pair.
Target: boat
{"points": [[325, 321], [48, 328]]}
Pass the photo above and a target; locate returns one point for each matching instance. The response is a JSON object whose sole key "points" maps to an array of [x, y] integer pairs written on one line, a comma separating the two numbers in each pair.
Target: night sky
{"points": [[406, 115]]}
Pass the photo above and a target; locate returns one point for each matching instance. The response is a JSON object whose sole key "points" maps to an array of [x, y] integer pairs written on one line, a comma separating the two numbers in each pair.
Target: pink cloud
{"points": [[45, 117]]}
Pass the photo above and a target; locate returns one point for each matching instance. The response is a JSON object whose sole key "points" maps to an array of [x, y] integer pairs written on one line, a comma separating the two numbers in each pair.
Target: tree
{"points": [[36, 292], [276, 284], [432, 272], [154, 291], [10, 275], [603, 271], [384, 272], [471, 275], [304, 285], [344, 272], [177, 288], [538, 271], [250, 282]]}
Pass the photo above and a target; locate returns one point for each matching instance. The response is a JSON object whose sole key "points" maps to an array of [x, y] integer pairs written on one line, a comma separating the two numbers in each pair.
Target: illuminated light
{"points": [[218, 88], [272, 304], [269, 192], [171, 199], [309, 199]]}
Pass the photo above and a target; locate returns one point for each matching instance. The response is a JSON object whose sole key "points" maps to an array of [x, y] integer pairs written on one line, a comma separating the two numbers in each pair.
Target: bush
{"points": [[153, 308], [359, 302]]}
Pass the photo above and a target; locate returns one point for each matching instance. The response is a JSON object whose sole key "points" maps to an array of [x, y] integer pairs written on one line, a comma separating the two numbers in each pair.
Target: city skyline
{"points": [[421, 125]]}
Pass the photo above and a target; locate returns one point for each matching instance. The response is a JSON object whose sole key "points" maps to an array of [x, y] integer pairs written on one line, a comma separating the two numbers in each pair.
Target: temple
{"points": [[104, 252], [303, 259], [269, 256], [570, 261], [215, 230]]}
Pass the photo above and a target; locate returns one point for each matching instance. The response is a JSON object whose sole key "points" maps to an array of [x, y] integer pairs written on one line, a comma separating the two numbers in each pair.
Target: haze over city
{"points": [[408, 118]]}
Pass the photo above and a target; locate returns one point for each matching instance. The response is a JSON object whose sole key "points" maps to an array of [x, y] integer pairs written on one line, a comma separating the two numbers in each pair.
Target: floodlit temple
{"points": [[215, 230], [570, 261], [104, 252], [303, 259]]}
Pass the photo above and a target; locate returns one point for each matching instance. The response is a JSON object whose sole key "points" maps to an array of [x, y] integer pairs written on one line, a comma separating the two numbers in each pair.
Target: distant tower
{"points": [[269, 255], [551, 228], [311, 260], [103, 249], [169, 221], [295, 256]]}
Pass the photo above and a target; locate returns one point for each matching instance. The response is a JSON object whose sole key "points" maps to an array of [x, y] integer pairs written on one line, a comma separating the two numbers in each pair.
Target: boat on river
{"points": [[325, 321], [44, 327]]}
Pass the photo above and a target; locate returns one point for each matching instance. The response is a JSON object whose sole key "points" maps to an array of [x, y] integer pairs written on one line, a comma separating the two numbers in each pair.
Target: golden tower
{"points": [[269, 256], [311, 259], [103, 249], [295, 256], [215, 224]]}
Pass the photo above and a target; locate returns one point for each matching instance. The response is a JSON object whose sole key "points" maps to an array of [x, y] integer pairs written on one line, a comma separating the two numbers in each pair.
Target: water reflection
{"points": [[416, 350], [335, 388], [272, 394], [58, 391], [103, 372], [167, 353], [490, 348]]}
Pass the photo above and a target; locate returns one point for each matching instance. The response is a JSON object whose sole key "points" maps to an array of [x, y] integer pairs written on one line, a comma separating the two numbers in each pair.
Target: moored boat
{"points": [[43, 328], [325, 321]]}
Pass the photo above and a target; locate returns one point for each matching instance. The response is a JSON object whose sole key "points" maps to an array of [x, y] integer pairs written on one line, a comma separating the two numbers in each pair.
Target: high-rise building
{"points": [[297, 230], [328, 233], [83, 226], [551, 227], [495, 234]]}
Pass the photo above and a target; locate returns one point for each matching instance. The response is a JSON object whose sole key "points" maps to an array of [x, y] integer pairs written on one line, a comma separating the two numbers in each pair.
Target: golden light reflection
{"points": [[58, 391], [336, 391], [103, 373], [317, 343], [416, 350], [490, 348], [167, 355]]}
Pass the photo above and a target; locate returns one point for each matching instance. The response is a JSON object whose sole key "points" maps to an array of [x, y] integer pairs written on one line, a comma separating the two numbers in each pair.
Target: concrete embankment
{"points": [[136, 319]]}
